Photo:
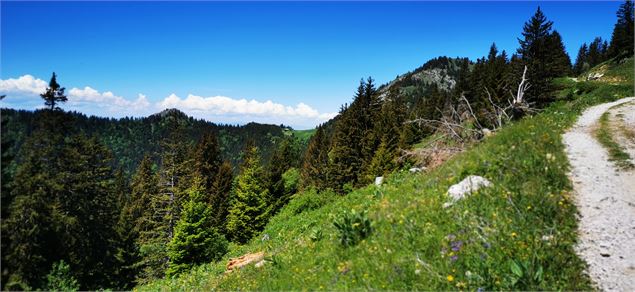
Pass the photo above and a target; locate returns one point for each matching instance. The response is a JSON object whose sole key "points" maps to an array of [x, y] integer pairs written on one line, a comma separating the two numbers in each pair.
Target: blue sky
{"points": [[234, 62]]}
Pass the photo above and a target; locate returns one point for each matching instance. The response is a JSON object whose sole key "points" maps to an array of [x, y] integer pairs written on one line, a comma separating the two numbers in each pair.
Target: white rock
{"points": [[379, 180], [416, 169], [594, 76], [486, 132], [260, 264], [468, 185]]}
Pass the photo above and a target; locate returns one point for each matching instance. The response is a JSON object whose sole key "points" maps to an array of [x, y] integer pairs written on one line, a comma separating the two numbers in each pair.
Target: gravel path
{"points": [[605, 197]]}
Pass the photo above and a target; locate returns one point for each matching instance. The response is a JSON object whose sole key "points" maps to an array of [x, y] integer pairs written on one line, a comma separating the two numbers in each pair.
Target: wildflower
{"points": [[456, 245], [417, 272], [529, 207], [460, 285], [514, 234], [454, 258], [450, 278]]}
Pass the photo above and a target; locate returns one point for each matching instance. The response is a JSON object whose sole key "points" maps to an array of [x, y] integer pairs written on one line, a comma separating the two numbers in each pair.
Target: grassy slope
{"points": [[304, 135], [527, 217]]}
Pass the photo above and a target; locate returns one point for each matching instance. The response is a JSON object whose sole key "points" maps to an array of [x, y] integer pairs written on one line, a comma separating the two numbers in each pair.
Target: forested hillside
{"points": [[162, 202], [130, 139]]}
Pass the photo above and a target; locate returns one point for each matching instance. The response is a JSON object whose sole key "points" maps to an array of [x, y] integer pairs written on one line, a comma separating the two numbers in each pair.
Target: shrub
{"points": [[310, 200], [353, 227], [61, 279]]}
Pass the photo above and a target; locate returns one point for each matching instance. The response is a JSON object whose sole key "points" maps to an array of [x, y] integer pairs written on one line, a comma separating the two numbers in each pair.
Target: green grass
{"points": [[304, 135], [517, 235], [604, 135]]}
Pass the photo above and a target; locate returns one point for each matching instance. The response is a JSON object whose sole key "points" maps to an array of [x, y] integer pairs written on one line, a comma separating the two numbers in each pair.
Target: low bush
{"points": [[353, 226]]}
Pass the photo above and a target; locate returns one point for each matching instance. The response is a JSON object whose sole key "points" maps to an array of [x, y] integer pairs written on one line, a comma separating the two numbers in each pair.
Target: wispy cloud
{"points": [[24, 93]]}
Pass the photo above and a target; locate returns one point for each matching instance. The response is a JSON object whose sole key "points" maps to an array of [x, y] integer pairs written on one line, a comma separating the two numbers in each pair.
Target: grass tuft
{"points": [[616, 152]]}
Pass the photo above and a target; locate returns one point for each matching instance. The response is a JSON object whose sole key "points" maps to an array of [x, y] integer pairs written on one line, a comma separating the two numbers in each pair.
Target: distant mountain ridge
{"points": [[130, 139]]}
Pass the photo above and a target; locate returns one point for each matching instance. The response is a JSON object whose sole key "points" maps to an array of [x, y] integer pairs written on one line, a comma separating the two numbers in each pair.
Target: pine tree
{"points": [[543, 54], [581, 62], [136, 218], [195, 241], [558, 62], [315, 162], [353, 140], [622, 38], [54, 94], [206, 161], [248, 211], [220, 202]]}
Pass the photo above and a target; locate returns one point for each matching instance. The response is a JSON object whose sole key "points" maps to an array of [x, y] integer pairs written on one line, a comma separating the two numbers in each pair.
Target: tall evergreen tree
{"points": [[136, 218], [195, 241], [622, 38], [558, 61], [315, 162], [543, 54], [220, 202], [54, 94], [581, 61], [206, 161], [248, 211]]}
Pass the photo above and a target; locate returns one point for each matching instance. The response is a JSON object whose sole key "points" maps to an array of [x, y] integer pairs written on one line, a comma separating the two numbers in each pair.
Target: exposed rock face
{"points": [[438, 76], [239, 262], [467, 186]]}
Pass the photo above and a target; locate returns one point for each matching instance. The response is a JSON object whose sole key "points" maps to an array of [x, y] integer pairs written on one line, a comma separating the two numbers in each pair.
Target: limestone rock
{"points": [[467, 186]]}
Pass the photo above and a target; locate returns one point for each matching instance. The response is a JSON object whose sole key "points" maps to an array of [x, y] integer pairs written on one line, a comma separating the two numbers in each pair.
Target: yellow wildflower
{"points": [[450, 278]]}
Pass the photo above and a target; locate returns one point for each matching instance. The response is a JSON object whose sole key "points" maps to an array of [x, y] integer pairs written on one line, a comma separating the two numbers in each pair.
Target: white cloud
{"points": [[24, 91], [106, 99], [26, 84], [222, 105]]}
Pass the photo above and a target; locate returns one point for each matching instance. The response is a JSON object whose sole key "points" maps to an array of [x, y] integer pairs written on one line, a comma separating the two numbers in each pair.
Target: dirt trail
{"points": [[605, 197]]}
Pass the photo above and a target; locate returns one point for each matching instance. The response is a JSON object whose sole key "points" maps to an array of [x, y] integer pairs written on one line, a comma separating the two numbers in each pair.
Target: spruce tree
{"points": [[206, 161], [558, 62], [248, 211], [315, 162], [220, 202], [581, 62], [195, 240], [136, 218], [622, 38], [54, 94], [543, 54]]}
